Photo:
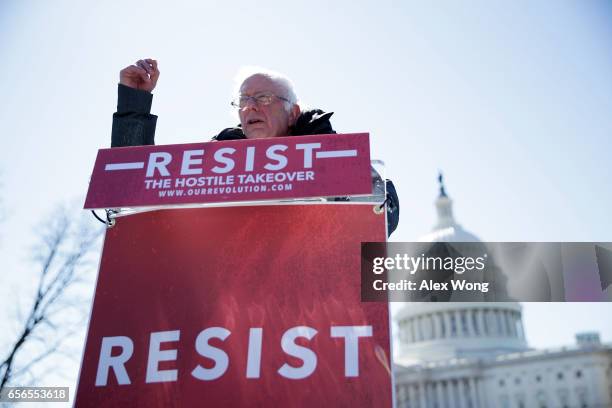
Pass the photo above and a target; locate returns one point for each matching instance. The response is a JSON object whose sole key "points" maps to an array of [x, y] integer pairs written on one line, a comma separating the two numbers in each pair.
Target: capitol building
{"points": [[475, 355]]}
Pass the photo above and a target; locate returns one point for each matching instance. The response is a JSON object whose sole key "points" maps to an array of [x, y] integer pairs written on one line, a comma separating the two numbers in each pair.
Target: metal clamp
{"points": [[110, 222]]}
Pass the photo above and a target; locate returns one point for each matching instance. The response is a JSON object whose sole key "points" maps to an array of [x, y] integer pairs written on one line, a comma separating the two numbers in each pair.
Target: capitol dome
{"points": [[453, 330]]}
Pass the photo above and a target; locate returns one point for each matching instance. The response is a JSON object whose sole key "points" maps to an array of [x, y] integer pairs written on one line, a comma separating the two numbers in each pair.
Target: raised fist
{"points": [[143, 75]]}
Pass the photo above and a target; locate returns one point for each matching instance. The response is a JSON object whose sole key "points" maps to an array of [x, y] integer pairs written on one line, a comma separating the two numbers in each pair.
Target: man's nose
{"points": [[251, 103]]}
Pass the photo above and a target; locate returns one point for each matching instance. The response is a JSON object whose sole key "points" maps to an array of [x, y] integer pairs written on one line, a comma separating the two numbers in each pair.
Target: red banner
{"points": [[238, 306], [240, 170]]}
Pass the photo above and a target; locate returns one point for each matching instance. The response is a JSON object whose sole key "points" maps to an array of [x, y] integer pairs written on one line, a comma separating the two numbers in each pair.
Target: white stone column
{"points": [[450, 403], [440, 323], [422, 396], [487, 321], [516, 318], [498, 327], [473, 393], [461, 393], [430, 395], [426, 328], [456, 395], [470, 323], [505, 320], [406, 402], [432, 322], [458, 328], [408, 331], [502, 322], [516, 322], [413, 396], [495, 325], [439, 394], [446, 318], [502, 314], [508, 320], [435, 334], [512, 320], [481, 392], [400, 396], [421, 335], [432, 326], [478, 323], [507, 328], [481, 322]]}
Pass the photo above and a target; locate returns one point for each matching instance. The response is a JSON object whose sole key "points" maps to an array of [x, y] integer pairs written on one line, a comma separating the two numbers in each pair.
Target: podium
{"points": [[233, 299]]}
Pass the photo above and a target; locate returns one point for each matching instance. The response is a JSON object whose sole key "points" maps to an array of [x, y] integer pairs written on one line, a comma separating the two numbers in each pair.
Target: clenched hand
{"points": [[142, 75]]}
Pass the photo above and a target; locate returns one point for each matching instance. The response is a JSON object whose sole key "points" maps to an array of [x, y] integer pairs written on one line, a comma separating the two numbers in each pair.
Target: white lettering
{"points": [[221, 158], [206, 350], [254, 353], [117, 362], [351, 336], [188, 160], [306, 355], [308, 148], [250, 158], [159, 165], [280, 159], [154, 374]]}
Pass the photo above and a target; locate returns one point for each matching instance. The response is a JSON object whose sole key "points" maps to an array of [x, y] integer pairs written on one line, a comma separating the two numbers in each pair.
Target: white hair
{"points": [[281, 80]]}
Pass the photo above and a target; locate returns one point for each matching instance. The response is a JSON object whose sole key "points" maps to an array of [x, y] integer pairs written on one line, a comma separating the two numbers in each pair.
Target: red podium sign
{"points": [[239, 170], [238, 306]]}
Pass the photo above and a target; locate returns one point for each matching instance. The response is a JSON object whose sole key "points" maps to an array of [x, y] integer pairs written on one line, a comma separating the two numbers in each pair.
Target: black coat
{"points": [[133, 125], [311, 122]]}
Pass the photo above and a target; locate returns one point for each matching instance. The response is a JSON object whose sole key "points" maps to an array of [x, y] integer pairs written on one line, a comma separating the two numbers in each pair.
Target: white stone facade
{"points": [[474, 355], [568, 377]]}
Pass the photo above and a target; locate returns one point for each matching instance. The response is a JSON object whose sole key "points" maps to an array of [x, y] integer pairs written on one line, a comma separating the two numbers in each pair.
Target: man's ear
{"points": [[294, 114]]}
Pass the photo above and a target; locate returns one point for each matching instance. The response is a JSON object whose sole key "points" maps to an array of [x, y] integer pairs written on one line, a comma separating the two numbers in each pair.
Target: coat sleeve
{"points": [[133, 124]]}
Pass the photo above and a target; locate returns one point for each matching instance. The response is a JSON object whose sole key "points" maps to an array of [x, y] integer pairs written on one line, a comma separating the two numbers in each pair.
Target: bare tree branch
{"points": [[61, 257]]}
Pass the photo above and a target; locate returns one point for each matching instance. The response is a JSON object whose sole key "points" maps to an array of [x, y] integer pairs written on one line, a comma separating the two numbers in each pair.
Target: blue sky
{"points": [[511, 100]]}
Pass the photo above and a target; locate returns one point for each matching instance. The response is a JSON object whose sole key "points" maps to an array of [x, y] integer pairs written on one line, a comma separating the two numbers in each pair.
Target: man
{"points": [[267, 107]]}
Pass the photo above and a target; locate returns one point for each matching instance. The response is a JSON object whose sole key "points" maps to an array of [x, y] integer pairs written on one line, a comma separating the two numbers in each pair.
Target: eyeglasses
{"points": [[263, 99]]}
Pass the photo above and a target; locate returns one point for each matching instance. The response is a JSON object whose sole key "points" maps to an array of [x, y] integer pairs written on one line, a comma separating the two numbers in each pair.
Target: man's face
{"points": [[261, 121]]}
